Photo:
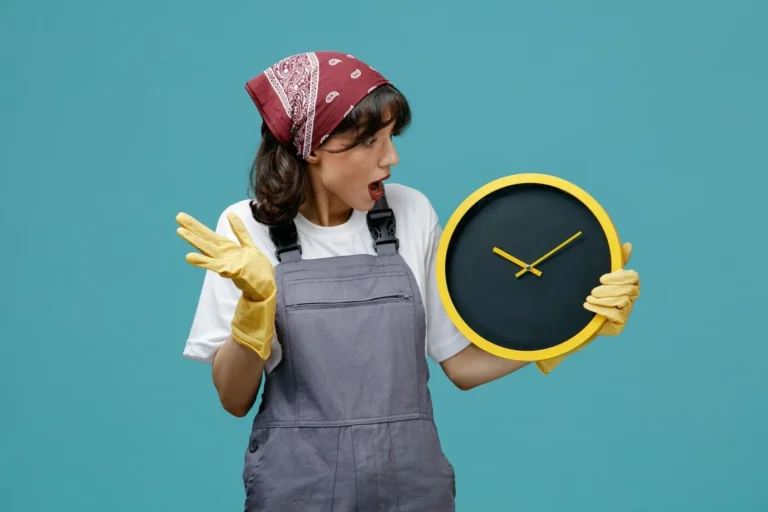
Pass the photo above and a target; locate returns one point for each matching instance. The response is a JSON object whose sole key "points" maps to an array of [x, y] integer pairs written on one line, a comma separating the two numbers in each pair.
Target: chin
{"points": [[367, 205], [363, 203]]}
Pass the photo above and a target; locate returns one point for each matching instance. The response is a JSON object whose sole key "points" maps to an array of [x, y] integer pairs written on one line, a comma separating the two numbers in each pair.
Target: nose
{"points": [[390, 157]]}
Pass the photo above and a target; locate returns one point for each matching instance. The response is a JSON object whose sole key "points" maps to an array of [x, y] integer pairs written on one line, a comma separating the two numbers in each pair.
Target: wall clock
{"points": [[517, 260]]}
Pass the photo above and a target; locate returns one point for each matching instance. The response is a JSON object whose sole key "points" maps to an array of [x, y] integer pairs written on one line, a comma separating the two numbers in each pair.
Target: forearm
{"points": [[473, 367], [237, 374]]}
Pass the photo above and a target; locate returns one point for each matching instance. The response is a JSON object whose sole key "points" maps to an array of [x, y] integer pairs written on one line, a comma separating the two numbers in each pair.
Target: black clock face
{"points": [[501, 301]]}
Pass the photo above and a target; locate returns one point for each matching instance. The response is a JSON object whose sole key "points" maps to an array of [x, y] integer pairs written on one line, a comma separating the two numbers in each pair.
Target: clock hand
{"points": [[550, 253], [516, 261]]}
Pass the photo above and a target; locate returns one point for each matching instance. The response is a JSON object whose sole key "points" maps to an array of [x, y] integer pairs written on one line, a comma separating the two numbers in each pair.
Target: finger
{"points": [[610, 302], [213, 264], [200, 243], [236, 223], [199, 260], [192, 224], [626, 249], [616, 290], [621, 276], [615, 316]]}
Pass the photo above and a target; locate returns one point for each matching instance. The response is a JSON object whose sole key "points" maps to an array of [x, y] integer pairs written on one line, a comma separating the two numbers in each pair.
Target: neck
{"points": [[323, 208]]}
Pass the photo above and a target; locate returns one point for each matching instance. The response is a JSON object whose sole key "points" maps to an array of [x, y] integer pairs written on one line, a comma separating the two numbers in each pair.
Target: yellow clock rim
{"points": [[614, 243]]}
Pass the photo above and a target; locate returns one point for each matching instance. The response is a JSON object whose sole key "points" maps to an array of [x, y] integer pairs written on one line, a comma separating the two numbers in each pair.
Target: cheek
{"points": [[345, 173]]}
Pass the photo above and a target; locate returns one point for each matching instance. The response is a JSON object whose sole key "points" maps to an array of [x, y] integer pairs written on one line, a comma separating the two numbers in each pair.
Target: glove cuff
{"points": [[545, 366], [262, 350], [253, 325]]}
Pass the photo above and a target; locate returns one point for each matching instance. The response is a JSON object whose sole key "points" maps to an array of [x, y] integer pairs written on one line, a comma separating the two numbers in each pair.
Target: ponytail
{"points": [[279, 181]]}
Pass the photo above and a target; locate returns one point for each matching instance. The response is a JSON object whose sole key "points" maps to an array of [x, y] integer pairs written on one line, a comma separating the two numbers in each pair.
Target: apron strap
{"points": [[383, 228], [286, 240]]}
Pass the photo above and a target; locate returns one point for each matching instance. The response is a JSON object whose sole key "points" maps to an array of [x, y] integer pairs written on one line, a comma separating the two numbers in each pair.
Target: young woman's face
{"points": [[354, 176]]}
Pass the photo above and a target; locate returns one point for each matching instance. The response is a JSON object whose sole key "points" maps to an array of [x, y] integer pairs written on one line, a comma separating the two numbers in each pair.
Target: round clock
{"points": [[517, 260]]}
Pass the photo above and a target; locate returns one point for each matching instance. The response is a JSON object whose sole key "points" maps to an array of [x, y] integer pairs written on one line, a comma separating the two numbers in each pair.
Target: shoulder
{"points": [[258, 232], [411, 205]]}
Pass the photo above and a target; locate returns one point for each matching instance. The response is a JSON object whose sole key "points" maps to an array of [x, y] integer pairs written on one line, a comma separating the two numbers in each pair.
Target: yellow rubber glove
{"points": [[253, 323], [614, 299]]}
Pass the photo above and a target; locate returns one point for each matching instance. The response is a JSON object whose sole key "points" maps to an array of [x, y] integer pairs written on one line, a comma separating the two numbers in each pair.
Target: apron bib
{"points": [[345, 422]]}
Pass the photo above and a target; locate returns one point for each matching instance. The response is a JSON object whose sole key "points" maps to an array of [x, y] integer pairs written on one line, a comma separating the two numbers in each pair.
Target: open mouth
{"points": [[376, 189]]}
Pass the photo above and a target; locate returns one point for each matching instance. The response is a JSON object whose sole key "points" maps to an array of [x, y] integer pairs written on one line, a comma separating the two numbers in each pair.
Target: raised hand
{"points": [[253, 322], [244, 264]]}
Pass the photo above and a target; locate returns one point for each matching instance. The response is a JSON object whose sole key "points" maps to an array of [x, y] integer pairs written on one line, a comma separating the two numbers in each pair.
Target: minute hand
{"points": [[550, 253]]}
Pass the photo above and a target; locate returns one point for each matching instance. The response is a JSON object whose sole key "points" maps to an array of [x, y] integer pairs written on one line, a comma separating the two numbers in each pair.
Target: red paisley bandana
{"points": [[304, 97]]}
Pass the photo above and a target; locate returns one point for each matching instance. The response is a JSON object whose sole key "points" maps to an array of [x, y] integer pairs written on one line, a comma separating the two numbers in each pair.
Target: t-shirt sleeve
{"points": [[443, 338], [211, 325]]}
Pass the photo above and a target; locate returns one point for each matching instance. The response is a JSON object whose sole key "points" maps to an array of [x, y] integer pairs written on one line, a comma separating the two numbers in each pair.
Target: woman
{"points": [[337, 307]]}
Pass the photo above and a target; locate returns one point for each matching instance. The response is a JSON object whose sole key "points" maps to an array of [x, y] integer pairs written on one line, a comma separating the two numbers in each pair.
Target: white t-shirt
{"points": [[419, 234]]}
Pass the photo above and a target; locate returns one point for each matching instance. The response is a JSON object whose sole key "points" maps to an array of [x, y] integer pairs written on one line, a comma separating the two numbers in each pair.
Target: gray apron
{"points": [[345, 422]]}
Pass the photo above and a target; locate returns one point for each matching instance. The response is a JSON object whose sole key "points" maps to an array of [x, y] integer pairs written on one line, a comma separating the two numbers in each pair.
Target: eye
{"points": [[370, 142]]}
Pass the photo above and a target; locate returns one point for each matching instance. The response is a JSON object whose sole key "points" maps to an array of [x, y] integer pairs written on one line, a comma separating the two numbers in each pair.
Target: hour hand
{"points": [[517, 261]]}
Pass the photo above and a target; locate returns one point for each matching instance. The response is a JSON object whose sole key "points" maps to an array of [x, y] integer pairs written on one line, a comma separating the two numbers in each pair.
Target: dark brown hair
{"points": [[279, 180]]}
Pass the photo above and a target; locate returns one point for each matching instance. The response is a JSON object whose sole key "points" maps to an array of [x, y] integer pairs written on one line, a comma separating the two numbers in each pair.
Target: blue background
{"points": [[117, 115]]}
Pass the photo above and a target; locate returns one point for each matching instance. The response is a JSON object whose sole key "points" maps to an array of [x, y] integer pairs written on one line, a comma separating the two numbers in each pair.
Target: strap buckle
{"points": [[382, 225], [285, 237]]}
